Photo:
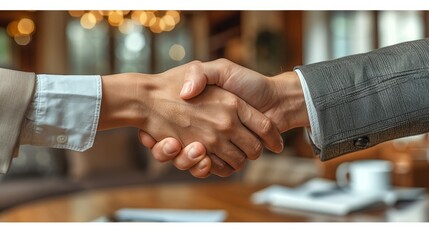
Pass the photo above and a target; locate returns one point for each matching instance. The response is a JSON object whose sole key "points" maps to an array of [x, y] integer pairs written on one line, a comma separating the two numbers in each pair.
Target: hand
{"points": [[280, 98], [227, 126]]}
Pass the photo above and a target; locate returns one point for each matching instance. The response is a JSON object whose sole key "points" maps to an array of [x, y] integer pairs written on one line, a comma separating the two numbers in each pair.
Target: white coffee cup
{"points": [[365, 177]]}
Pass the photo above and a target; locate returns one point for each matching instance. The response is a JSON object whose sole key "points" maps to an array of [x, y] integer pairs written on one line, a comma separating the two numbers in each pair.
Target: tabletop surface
{"points": [[233, 197]]}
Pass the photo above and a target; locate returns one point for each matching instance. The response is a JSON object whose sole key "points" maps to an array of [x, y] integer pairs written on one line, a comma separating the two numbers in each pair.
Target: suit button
{"points": [[361, 142], [62, 139]]}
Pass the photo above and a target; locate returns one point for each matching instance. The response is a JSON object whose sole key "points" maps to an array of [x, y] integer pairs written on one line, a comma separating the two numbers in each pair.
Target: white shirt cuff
{"points": [[311, 110], [64, 112]]}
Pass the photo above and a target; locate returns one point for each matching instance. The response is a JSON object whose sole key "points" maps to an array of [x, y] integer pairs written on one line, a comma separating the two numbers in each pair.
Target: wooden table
{"points": [[233, 197]]}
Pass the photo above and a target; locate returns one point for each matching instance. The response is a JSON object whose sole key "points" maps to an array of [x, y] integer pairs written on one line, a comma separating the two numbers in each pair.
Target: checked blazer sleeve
{"points": [[365, 99]]}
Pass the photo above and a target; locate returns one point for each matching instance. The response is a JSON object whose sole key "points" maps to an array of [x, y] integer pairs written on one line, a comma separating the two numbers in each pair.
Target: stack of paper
{"points": [[164, 215], [169, 215], [323, 196]]}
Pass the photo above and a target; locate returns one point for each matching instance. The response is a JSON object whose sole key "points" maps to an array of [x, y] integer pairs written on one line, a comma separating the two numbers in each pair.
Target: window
{"points": [[351, 33], [399, 26], [132, 51], [5, 49], [173, 48], [130, 47], [334, 34], [88, 49]]}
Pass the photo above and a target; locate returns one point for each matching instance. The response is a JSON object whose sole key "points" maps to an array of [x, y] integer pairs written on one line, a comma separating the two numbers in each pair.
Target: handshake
{"points": [[208, 118]]}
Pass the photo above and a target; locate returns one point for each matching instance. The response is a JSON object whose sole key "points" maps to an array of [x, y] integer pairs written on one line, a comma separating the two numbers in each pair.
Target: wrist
{"points": [[291, 101], [122, 101]]}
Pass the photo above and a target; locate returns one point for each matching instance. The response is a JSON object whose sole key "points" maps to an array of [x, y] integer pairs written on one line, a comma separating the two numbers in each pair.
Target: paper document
{"points": [[169, 215], [324, 196]]}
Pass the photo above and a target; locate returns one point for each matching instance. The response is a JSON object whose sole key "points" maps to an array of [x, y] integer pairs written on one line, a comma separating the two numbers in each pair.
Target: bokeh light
{"points": [[98, 16], [76, 13], [26, 26], [105, 13], [88, 20], [22, 39], [12, 28], [116, 18], [127, 26], [156, 21], [135, 42], [177, 52], [175, 15]]}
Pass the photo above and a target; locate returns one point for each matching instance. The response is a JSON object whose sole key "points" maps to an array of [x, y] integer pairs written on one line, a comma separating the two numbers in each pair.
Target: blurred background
{"points": [[271, 42]]}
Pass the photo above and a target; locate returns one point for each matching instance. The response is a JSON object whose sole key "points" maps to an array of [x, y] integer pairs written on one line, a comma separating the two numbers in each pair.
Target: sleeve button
{"points": [[62, 138], [361, 142]]}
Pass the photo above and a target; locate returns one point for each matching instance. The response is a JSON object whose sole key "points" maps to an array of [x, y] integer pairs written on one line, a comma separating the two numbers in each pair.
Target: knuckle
{"points": [[234, 103], [223, 61], [220, 167], [237, 159], [226, 125], [240, 162], [258, 148], [266, 126], [211, 141], [195, 63], [255, 151]]}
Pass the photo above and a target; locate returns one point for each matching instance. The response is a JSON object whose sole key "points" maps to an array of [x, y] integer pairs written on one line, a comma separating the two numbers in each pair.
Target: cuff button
{"points": [[62, 139], [361, 142]]}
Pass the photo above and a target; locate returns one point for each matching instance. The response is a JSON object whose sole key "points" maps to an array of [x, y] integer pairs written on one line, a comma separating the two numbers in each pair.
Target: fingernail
{"points": [[193, 154], [169, 149], [186, 88]]}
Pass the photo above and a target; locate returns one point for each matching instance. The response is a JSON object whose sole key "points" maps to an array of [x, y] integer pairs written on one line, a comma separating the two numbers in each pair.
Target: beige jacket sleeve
{"points": [[16, 92]]}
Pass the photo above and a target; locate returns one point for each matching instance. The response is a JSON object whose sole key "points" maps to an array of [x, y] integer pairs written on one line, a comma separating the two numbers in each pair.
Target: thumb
{"points": [[195, 81]]}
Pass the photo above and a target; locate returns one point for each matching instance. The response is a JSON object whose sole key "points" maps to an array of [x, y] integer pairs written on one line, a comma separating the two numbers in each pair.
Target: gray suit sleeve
{"points": [[365, 99], [16, 91]]}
